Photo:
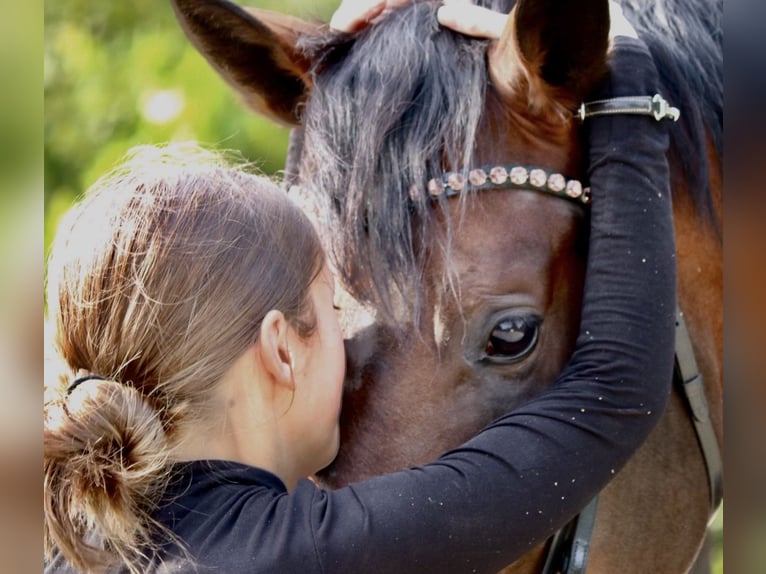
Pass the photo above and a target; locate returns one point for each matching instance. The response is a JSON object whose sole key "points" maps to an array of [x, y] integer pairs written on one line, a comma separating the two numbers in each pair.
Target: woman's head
{"points": [[164, 270], [158, 280]]}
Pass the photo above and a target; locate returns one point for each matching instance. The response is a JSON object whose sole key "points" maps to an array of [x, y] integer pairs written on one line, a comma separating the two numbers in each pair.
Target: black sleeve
{"points": [[485, 504]]}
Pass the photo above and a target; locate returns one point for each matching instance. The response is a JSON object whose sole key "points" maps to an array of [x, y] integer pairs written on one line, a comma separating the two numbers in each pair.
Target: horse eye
{"points": [[512, 339]]}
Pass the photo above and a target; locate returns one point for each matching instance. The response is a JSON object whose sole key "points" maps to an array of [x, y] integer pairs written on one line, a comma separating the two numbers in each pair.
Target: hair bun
{"points": [[104, 455], [114, 434]]}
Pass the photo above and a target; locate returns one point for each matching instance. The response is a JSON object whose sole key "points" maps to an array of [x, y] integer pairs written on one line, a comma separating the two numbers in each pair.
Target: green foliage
{"points": [[119, 74], [21, 101]]}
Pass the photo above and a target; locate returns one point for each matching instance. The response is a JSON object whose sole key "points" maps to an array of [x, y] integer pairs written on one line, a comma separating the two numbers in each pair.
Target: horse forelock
{"points": [[391, 108]]}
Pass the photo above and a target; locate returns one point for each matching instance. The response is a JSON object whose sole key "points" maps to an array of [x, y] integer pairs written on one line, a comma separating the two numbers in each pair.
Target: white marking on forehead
{"points": [[441, 332]]}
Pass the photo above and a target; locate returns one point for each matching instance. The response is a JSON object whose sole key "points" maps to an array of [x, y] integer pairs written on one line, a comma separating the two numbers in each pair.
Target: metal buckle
{"points": [[661, 109], [655, 106]]}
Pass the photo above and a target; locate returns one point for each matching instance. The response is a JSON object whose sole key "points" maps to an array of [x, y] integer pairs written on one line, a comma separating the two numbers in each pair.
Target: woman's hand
{"points": [[354, 15], [465, 17], [459, 15]]}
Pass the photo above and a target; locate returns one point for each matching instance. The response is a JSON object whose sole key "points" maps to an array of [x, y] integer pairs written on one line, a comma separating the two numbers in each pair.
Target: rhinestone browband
{"points": [[506, 177]]}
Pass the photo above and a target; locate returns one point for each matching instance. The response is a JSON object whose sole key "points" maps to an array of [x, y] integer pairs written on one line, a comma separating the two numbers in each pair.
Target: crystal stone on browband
{"points": [[508, 177]]}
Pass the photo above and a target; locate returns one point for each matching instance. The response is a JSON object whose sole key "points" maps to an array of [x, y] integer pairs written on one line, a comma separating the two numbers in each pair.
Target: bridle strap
{"points": [[569, 548], [655, 106], [501, 177], [690, 382]]}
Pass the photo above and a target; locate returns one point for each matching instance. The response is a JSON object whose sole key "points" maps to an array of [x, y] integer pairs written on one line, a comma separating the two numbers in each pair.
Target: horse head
{"points": [[441, 166]]}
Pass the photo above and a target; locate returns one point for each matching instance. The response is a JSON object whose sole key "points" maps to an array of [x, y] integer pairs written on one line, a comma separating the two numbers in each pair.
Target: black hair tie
{"points": [[79, 380]]}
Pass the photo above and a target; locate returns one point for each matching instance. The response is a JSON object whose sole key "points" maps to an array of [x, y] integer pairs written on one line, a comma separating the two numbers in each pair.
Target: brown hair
{"points": [[158, 281]]}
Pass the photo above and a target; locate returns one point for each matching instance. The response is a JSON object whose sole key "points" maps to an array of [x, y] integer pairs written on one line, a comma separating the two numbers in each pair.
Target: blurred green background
{"points": [[21, 247], [118, 74]]}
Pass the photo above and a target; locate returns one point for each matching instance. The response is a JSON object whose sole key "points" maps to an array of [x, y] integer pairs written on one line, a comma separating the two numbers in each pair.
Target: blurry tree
{"points": [[119, 74]]}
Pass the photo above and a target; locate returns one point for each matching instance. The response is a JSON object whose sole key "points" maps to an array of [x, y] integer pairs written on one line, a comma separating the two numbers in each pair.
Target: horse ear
{"points": [[254, 51], [558, 48]]}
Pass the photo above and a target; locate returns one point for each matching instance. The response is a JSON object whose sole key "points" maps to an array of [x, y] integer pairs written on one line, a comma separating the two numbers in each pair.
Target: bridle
{"points": [[504, 177], [569, 548]]}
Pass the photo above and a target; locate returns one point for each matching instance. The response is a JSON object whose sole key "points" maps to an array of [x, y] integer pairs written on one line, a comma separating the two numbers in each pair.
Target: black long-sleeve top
{"points": [[486, 503]]}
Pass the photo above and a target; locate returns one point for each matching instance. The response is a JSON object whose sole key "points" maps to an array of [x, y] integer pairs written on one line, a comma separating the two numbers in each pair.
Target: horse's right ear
{"points": [[555, 50], [253, 50]]}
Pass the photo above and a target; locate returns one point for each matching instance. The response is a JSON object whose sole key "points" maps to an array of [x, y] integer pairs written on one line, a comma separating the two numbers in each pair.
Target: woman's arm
{"points": [[488, 502]]}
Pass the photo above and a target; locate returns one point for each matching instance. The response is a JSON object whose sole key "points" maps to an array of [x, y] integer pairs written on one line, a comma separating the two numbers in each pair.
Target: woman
{"points": [[204, 368]]}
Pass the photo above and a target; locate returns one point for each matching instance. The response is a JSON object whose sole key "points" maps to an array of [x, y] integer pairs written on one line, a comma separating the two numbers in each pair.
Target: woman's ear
{"points": [[273, 348]]}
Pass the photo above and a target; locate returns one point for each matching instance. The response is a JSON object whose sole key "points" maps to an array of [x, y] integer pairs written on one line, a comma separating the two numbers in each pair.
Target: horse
{"points": [[444, 171]]}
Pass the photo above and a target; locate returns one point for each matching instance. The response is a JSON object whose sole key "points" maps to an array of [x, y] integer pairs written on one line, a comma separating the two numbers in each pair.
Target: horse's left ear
{"points": [[555, 49], [253, 50]]}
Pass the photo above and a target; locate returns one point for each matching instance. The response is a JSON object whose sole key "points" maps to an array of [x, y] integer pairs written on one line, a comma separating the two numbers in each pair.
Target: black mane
{"points": [[686, 40], [390, 108]]}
